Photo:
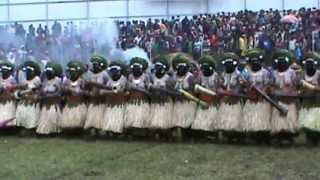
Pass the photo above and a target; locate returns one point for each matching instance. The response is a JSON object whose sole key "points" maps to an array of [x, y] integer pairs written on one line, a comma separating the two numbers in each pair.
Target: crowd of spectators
{"points": [[217, 33], [203, 33]]}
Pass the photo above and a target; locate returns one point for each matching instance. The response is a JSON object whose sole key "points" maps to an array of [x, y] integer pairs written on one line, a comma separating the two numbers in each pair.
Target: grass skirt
{"points": [[27, 115], [73, 116], [309, 118], [206, 120], [8, 111], [49, 118], [95, 116], [230, 117], [161, 115], [256, 116], [137, 115], [183, 114], [289, 123], [114, 118]]}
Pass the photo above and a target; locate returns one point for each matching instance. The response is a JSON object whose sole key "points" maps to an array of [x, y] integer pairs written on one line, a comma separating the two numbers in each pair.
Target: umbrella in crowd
{"points": [[292, 19]]}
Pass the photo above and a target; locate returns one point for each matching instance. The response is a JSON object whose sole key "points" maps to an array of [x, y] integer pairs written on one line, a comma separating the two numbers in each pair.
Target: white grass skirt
{"points": [[137, 115], [206, 119], [287, 123], [183, 114], [27, 115], [310, 118], [73, 116], [8, 111], [49, 118], [113, 119], [256, 116], [161, 115], [230, 117], [95, 116]]}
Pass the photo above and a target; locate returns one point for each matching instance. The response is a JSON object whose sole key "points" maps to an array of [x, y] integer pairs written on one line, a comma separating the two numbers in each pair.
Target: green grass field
{"points": [[58, 158]]}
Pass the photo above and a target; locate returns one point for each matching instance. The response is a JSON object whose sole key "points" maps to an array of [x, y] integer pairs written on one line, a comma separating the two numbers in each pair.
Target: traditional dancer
{"points": [[230, 110], [7, 100], [309, 114], [28, 109], [50, 99], [206, 120], [137, 113], [285, 86], [97, 76], [184, 110], [256, 111], [161, 101], [75, 111], [114, 119]]}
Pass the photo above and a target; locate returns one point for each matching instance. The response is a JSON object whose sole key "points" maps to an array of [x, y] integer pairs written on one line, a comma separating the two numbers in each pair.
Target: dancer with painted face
{"points": [[184, 110], [256, 111], [50, 99], [309, 114], [230, 111], [285, 86], [113, 120], [137, 115], [97, 76], [28, 109], [161, 101], [75, 111], [7, 100], [206, 120]]}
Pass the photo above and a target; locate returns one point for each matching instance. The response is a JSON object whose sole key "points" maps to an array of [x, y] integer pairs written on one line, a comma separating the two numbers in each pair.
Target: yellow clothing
{"points": [[243, 45]]}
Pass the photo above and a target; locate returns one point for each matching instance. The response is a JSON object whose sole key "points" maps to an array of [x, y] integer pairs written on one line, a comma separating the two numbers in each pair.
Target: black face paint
{"points": [[207, 70], [73, 75], [49, 74], [29, 74], [160, 70], [137, 70], [310, 68], [114, 73], [256, 65], [5, 73], [282, 65], [229, 67], [182, 70], [96, 68]]}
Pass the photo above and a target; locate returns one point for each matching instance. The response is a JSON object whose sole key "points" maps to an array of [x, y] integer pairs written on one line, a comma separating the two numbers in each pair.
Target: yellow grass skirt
{"points": [[8, 111], [183, 114], [309, 118], [206, 119], [161, 115], [230, 117], [73, 116], [137, 115], [49, 118], [27, 115], [113, 119], [256, 116], [287, 123], [95, 116]]}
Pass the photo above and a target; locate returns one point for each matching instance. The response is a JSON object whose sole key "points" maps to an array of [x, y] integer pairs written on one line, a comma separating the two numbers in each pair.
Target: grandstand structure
{"points": [[26, 11]]}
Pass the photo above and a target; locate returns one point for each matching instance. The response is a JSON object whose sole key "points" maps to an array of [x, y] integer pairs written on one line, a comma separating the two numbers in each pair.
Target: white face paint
{"points": [[136, 64], [49, 69], [7, 68], [30, 68], [287, 59], [114, 67], [72, 69]]}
